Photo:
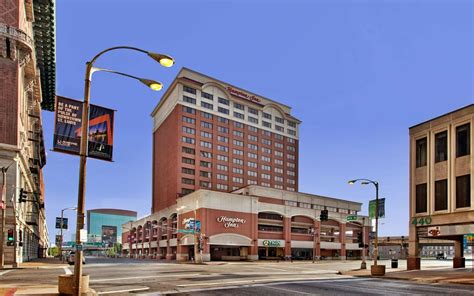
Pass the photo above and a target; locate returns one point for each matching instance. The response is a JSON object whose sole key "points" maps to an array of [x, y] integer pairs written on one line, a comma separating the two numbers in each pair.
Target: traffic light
{"points": [[324, 215], [360, 240], [10, 237], [23, 196]]}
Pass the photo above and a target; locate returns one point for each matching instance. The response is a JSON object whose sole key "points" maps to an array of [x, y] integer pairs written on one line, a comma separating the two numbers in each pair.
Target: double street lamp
{"points": [[165, 61], [375, 269]]}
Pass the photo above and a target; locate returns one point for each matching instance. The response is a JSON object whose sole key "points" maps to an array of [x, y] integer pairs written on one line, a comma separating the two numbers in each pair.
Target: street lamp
{"points": [[165, 61], [375, 269], [62, 226], [3, 202]]}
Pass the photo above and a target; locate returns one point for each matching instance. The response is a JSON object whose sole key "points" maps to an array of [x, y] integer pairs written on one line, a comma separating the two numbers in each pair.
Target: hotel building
{"points": [[229, 158], [441, 177], [27, 85]]}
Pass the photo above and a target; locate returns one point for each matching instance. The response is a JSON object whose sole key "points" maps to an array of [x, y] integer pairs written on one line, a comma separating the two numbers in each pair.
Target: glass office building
{"points": [[105, 225]]}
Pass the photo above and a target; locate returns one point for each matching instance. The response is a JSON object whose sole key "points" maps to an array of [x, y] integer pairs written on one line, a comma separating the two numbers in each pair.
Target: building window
{"points": [[280, 128], [252, 146], [188, 140], [441, 146], [305, 205], [239, 115], [223, 110], [207, 105], [266, 133], [267, 124], [252, 138], [187, 160], [278, 179], [223, 130], [441, 195], [189, 100], [186, 191], [463, 145], [290, 165], [266, 158], [252, 129], [278, 161], [291, 132], [206, 154], [265, 184], [267, 142], [206, 144], [279, 170], [252, 155], [252, 111], [252, 164], [278, 145], [222, 177], [279, 120], [291, 203], [207, 96], [238, 143], [278, 186], [238, 133], [253, 119], [222, 157], [421, 152], [205, 164], [189, 120], [290, 140], [205, 174], [222, 120], [189, 130], [206, 124], [421, 198], [290, 173], [267, 115], [187, 181], [238, 124], [290, 156], [292, 124], [291, 148], [266, 150], [222, 167], [238, 152], [265, 176], [238, 106], [205, 184], [187, 171], [252, 173], [223, 101], [189, 110], [252, 182], [266, 167], [238, 161], [290, 181], [188, 150], [222, 139], [206, 115], [222, 187], [223, 148], [237, 180], [189, 89], [463, 191], [279, 153]]}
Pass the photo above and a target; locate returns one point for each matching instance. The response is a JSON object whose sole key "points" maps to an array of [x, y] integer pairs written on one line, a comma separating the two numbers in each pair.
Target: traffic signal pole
{"points": [[3, 198]]}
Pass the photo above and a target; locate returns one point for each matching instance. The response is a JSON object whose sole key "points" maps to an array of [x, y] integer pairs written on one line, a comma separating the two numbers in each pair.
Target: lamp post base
{"points": [[363, 265], [377, 270]]}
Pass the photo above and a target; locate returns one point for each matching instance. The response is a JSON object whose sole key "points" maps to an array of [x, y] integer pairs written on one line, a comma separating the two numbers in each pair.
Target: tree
{"points": [[53, 251]]}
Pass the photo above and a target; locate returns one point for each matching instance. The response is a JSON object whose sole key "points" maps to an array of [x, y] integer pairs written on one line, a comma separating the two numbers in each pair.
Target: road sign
{"points": [[79, 247], [352, 218], [58, 223], [186, 230], [83, 235]]}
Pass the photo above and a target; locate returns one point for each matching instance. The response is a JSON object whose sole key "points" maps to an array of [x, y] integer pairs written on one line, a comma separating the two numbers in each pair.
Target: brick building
{"points": [[27, 83], [228, 158]]}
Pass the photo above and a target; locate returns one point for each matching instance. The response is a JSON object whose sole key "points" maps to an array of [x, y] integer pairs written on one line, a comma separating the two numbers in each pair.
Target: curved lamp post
{"points": [[61, 231], [376, 270], [165, 61]]}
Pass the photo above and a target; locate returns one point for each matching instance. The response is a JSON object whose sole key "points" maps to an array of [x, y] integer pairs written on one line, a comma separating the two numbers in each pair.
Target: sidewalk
{"points": [[43, 263], [443, 275]]}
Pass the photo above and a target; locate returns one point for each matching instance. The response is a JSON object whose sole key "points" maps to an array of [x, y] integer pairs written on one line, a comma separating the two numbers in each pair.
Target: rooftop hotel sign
{"points": [[243, 95], [230, 222]]}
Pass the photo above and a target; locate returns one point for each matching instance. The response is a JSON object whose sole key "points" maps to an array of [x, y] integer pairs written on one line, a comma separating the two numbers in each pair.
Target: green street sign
{"points": [[186, 230], [352, 218]]}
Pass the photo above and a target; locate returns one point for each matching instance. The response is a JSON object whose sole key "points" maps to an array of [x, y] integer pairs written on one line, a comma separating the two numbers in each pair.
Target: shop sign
{"points": [[422, 231], [271, 243], [230, 222], [243, 95], [434, 231]]}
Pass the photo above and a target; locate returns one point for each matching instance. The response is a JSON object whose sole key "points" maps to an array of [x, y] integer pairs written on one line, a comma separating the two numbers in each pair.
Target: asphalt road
{"points": [[125, 276]]}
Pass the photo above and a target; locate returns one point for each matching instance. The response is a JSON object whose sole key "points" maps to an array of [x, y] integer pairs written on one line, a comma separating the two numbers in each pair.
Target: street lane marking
{"points": [[67, 270], [269, 280], [140, 277], [288, 290], [4, 272], [124, 291]]}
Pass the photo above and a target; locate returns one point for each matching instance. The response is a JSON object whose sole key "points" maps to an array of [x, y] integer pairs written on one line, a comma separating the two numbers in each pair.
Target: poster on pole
{"points": [[67, 129], [381, 209]]}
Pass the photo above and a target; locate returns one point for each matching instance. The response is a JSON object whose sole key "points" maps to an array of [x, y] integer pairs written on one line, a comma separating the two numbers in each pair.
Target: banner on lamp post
{"points": [[68, 129], [381, 209]]}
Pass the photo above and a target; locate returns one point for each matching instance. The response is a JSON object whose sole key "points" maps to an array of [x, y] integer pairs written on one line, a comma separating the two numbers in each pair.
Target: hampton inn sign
{"points": [[242, 95], [230, 222]]}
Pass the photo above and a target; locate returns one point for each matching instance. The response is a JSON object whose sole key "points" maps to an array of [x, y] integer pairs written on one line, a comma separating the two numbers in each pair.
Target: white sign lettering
{"points": [[230, 222]]}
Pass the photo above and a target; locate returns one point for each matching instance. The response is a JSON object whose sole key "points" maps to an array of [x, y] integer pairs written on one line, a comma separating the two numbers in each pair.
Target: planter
{"points": [[377, 270], [66, 284]]}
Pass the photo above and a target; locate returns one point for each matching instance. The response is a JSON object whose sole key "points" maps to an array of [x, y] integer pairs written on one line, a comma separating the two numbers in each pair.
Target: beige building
{"points": [[441, 194]]}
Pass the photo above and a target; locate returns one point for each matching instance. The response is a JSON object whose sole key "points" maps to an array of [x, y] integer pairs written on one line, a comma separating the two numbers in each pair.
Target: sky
{"points": [[357, 74]]}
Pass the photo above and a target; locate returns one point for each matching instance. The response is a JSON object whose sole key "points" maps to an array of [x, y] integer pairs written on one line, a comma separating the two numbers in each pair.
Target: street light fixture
{"points": [[62, 226], [375, 269], [165, 61]]}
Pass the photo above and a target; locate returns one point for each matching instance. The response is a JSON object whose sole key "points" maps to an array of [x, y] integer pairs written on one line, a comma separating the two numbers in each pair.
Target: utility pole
{"points": [[363, 265], [4, 212]]}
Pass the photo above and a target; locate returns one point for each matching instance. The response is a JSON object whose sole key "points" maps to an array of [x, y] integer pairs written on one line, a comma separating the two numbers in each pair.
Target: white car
{"points": [[71, 258]]}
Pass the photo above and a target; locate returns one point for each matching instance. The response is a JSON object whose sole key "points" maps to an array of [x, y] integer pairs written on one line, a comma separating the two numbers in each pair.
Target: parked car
{"points": [[71, 258], [441, 256]]}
